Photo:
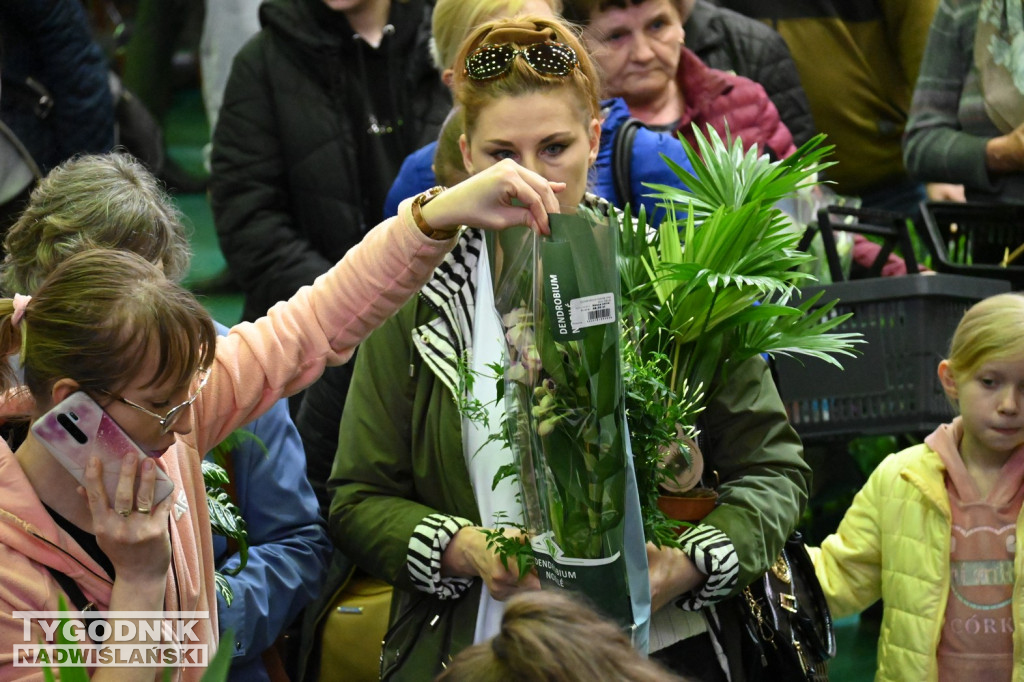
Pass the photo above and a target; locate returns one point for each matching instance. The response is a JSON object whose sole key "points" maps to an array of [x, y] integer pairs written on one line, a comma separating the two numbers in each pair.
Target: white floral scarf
{"points": [[999, 57]]}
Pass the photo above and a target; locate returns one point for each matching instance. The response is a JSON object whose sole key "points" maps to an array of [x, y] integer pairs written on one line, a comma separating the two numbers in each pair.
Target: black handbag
{"points": [[787, 628]]}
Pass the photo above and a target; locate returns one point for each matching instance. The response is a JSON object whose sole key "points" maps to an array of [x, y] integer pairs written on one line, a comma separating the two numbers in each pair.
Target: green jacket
{"points": [[400, 459]]}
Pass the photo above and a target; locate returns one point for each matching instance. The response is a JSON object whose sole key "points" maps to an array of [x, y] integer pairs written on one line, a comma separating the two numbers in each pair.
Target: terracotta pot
{"points": [[691, 506]]}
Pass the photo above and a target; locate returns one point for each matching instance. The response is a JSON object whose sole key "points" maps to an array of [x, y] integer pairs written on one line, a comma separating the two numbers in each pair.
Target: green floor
{"points": [[187, 132]]}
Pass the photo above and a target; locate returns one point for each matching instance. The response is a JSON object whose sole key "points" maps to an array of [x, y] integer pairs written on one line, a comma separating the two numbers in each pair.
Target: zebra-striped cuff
{"points": [[427, 544], [714, 555]]}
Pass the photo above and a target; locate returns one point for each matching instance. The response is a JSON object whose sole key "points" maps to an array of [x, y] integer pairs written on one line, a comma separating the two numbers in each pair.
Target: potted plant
{"points": [[712, 288], [709, 289]]}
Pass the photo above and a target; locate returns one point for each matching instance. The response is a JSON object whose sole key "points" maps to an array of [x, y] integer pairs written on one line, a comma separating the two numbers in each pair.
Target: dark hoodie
{"points": [[314, 127], [345, 63]]}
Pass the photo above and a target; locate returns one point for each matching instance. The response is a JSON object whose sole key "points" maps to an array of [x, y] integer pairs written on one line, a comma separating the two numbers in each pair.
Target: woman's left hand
{"points": [[671, 573], [130, 529], [470, 555], [503, 195]]}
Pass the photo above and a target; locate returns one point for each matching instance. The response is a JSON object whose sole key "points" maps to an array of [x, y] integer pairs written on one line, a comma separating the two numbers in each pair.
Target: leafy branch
{"points": [[225, 518]]}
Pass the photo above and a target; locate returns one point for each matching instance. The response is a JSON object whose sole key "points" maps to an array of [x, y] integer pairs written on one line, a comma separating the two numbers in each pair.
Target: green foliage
{"points": [[563, 396], [509, 547], [225, 518], [712, 287], [220, 664], [723, 267], [652, 412], [707, 290], [68, 673]]}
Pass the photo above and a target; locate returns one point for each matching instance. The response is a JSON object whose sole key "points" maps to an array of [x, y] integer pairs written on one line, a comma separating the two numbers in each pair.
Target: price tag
{"points": [[591, 311]]}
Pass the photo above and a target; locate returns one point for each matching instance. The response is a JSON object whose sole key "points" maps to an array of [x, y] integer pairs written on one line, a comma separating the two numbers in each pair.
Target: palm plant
{"points": [[714, 285]]}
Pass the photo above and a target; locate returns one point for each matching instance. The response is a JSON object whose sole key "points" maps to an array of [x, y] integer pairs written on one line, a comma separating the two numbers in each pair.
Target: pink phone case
{"points": [[77, 428]]}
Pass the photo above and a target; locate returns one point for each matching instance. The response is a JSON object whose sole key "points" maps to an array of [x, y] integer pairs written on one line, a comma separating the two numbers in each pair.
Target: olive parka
{"points": [[401, 459]]}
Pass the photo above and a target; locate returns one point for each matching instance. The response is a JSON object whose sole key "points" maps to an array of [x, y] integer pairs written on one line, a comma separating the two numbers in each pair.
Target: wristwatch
{"points": [[417, 215]]}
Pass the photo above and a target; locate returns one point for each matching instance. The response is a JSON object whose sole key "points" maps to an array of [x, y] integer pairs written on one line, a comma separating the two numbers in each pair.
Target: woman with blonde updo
{"points": [[412, 484], [413, 478]]}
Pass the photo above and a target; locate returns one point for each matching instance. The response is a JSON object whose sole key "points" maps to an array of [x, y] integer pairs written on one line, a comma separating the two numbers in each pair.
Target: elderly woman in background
{"points": [[639, 47]]}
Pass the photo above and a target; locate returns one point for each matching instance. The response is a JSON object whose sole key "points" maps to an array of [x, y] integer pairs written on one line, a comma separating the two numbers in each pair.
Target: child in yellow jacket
{"points": [[934, 532]]}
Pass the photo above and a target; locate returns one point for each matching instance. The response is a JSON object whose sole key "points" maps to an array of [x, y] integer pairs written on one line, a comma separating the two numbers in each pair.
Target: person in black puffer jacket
{"points": [[321, 107]]}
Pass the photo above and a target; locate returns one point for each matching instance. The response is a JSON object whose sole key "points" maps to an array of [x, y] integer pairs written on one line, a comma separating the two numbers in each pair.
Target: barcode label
{"points": [[591, 311]]}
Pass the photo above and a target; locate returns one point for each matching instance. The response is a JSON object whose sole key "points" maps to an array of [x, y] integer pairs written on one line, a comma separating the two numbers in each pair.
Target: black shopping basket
{"points": [[891, 386], [975, 239]]}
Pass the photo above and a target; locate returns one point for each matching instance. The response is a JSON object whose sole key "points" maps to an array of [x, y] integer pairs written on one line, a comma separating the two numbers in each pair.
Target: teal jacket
{"points": [[400, 459]]}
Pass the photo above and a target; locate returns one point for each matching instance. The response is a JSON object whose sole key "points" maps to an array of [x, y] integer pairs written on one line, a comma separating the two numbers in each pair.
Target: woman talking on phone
{"points": [[110, 324]]}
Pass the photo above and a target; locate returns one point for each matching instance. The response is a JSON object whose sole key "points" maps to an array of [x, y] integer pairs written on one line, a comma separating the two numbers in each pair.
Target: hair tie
{"points": [[20, 304], [519, 33]]}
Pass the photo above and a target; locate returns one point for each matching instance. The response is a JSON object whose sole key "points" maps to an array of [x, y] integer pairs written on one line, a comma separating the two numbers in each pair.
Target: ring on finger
{"points": [[125, 512], [142, 510]]}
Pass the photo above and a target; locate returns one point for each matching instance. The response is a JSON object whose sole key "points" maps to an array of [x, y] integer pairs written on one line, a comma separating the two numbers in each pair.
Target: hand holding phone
{"points": [[77, 428]]}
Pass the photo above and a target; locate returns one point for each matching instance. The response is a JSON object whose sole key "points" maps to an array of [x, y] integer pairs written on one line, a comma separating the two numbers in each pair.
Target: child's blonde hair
{"points": [[992, 329], [553, 636]]}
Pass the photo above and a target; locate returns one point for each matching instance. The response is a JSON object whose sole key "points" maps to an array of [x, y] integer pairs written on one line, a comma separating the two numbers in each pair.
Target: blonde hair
{"points": [[100, 201], [449, 166], [548, 635], [452, 20], [992, 329], [96, 318], [473, 95]]}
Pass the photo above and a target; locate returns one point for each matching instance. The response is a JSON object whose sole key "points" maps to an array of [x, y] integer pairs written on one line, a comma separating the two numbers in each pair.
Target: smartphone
{"points": [[78, 428]]}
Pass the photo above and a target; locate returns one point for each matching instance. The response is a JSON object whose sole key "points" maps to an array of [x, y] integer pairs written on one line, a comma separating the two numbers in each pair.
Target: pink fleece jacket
{"points": [[256, 364]]}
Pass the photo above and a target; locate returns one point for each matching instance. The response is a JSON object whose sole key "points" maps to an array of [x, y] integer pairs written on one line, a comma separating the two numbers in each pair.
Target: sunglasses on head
{"points": [[548, 59]]}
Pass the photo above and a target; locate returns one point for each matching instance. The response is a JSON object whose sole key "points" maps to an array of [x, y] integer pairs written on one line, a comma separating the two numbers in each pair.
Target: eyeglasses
{"points": [[548, 58], [168, 421]]}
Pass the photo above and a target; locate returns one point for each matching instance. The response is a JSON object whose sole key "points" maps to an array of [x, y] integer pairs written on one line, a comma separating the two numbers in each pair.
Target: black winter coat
{"points": [[729, 41], [297, 168]]}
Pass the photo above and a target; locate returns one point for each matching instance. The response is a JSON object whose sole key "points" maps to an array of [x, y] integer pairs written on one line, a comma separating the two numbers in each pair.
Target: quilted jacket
{"points": [[729, 41], [729, 102], [301, 149], [894, 544]]}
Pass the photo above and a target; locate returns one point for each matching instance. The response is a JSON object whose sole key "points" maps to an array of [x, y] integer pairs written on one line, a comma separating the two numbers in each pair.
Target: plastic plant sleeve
{"points": [[558, 299]]}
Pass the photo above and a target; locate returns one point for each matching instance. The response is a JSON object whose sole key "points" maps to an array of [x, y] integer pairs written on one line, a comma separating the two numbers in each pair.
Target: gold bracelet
{"points": [[417, 215]]}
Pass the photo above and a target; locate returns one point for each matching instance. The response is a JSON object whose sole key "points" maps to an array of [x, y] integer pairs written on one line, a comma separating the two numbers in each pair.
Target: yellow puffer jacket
{"points": [[894, 544]]}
